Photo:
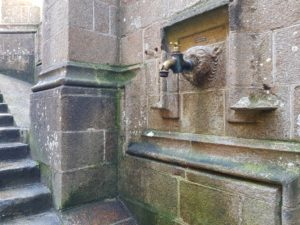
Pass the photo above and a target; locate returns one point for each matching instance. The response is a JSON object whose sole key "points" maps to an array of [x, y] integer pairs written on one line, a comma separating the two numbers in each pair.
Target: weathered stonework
{"points": [[105, 125], [76, 153]]}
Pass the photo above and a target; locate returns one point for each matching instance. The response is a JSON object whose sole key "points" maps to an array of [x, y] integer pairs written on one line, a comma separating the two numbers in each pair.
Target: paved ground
{"points": [[17, 94]]}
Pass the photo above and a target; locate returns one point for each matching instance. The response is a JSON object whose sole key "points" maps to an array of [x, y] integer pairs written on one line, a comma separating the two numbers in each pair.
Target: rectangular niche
{"points": [[204, 29]]}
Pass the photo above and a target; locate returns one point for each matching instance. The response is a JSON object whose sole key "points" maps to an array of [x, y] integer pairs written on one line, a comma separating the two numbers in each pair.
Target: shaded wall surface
{"points": [[74, 107], [104, 125], [19, 20], [187, 160]]}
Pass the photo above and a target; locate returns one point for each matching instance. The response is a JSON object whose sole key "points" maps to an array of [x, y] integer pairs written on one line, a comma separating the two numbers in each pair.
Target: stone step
{"points": [[6, 120], [19, 172], [9, 134], [46, 218], [10, 151], [24, 201], [3, 108]]}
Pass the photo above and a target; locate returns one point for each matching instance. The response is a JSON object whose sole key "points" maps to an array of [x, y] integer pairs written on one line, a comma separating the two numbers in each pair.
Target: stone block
{"points": [[136, 115], [17, 56], [296, 112], [81, 149], [84, 185], [180, 5], [81, 113], [291, 216], [93, 48], [247, 189], [34, 15], [149, 186], [55, 19], [203, 112], [269, 125], [12, 14], [101, 17], [131, 49], [257, 212], [81, 14], [113, 20], [250, 59], [200, 205], [153, 11], [111, 146], [156, 120], [257, 16], [152, 41], [130, 17], [55, 50], [111, 2], [287, 55], [153, 81], [44, 111]]}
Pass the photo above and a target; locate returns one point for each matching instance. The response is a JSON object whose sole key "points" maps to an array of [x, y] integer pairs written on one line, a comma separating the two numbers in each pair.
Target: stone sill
{"points": [[280, 146], [18, 28]]}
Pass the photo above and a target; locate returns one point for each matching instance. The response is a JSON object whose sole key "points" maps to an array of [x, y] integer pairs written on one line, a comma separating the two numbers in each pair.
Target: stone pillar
{"points": [[74, 107]]}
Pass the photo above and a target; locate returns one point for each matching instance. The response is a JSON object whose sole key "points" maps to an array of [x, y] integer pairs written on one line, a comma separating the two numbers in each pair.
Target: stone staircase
{"points": [[23, 199]]}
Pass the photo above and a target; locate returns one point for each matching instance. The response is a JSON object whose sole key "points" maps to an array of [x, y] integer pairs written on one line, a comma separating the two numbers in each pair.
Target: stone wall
{"points": [[260, 54], [75, 104], [94, 50], [259, 50], [20, 11], [80, 31], [19, 20]]}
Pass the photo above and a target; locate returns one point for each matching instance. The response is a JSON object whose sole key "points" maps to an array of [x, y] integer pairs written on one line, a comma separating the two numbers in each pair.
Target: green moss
{"points": [[112, 78], [147, 215], [87, 193]]}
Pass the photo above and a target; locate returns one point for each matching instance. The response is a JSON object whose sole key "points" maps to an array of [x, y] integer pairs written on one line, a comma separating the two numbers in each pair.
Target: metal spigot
{"points": [[177, 63]]}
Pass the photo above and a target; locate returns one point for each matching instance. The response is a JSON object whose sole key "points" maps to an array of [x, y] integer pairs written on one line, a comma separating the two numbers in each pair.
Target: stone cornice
{"points": [[85, 75]]}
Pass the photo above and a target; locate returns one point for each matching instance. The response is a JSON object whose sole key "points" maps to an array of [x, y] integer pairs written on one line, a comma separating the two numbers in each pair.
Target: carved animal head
{"points": [[205, 61]]}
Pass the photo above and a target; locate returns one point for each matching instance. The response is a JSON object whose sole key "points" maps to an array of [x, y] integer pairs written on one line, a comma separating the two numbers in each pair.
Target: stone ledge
{"points": [[95, 75], [18, 28], [280, 146], [196, 9], [287, 178]]}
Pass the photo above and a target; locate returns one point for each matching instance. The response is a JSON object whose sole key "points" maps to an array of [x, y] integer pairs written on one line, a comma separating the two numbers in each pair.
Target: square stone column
{"points": [[74, 105]]}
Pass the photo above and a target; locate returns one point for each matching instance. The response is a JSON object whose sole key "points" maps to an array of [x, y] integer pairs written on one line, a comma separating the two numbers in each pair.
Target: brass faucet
{"points": [[177, 63]]}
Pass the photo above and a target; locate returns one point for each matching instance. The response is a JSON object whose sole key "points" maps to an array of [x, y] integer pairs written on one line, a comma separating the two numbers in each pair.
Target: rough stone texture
{"points": [[106, 213], [17, 55], [287, 55], [138, 109], [146, 185], [20, 12], [84, 185], [80, 168], [250, 59], [268, 125], [101, 17], [204, 198], [81, 14], [296, 111], [259, 15], [198, 109], [261, 48], [94, 47], [202, 205], [132, 48]]}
